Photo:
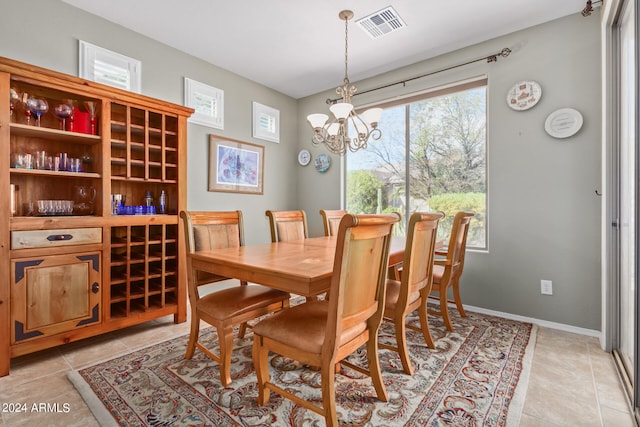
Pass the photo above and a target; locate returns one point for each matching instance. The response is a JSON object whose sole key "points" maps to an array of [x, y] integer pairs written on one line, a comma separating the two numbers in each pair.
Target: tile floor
{"points": [[572, 382]]}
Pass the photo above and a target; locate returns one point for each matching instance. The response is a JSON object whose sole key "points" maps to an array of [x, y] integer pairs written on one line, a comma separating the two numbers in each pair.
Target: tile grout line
{"points": [[595, 385]]}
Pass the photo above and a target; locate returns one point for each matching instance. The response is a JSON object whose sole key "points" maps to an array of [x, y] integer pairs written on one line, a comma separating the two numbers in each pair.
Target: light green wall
{"points": [[544, 215], [543, 212], [55, 46]]}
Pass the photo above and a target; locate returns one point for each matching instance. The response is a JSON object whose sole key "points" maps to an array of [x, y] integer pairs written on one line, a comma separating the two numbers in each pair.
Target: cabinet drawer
{"points": [[59, 237]]}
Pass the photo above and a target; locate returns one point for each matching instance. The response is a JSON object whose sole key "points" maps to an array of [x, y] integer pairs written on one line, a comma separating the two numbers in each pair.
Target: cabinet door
{"points": [[53, 294]]}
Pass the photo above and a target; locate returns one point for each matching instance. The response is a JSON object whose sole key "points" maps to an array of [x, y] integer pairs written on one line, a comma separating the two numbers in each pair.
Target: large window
{"points": [[431, 157]]}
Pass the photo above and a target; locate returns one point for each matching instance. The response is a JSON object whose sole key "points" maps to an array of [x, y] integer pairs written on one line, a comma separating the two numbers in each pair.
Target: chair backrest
{"points": [[458, 239], [331, 220], [417, 267], [287, 225], [212, 230], [357, 287]]}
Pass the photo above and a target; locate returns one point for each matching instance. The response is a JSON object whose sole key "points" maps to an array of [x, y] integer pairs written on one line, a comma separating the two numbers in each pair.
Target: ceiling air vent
{"points": [[381, 22]]}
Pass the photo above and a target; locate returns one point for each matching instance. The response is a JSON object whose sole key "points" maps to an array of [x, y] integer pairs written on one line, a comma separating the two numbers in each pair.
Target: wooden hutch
{"points": [[71, 273]]}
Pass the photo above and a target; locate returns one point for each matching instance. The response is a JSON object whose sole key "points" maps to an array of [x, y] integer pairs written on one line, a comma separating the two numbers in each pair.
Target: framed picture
{"points": [[266, 123], [235, 166], [207, 101]]}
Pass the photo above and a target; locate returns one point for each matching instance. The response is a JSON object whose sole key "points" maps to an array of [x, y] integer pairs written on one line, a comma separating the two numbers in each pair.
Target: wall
{"points": [[46, 33], [544, 215]]}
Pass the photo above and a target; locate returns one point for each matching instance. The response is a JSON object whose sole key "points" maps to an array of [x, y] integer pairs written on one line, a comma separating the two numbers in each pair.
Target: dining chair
{"points": [[226, 308], [287, 225], [331, 220], [323, 333], [447, 270], [412, 290]]}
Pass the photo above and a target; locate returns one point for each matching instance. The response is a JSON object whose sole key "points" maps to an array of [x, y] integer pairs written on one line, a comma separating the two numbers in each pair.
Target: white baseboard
{"points": [[543, 323]]}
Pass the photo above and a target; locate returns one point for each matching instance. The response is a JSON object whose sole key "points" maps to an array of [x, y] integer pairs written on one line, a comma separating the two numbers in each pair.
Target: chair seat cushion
{"points": [[231, 302], [438, 272], [392, 295], [302, 327]]}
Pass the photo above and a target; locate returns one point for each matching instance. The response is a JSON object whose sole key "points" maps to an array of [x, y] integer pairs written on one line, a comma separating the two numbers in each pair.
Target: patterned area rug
{"points": [[477, 376]]}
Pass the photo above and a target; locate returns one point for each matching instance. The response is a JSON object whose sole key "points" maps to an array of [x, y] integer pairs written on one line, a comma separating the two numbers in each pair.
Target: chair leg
{"points": [[242, 330], [261, 366], [329, 394], [456, 296], [424, 323], [193, 336], [374, 367], [225, 339], [401, 341], [444, 309]]}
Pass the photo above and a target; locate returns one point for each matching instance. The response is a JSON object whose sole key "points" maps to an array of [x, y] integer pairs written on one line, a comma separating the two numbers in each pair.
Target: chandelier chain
{"points": [[346, 48]]}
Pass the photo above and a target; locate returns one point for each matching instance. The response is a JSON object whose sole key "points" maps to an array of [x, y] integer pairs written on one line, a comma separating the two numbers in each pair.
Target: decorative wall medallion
{"points": [[563, 123], [304, 157], [524, 95], [323, 162]]}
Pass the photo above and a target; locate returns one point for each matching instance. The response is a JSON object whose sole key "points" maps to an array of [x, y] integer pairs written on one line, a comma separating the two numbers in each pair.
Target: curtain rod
{"points": [[490, 58]]}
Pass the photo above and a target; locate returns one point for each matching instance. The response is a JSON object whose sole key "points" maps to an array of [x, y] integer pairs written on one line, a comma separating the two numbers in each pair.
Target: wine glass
{"points": [[91, 108], [37, 106], [63, 111], [14, 99]]}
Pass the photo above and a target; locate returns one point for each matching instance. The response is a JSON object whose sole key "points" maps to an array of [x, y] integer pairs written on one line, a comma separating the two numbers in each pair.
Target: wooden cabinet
{"points": [[79, 267], [53, 294]]}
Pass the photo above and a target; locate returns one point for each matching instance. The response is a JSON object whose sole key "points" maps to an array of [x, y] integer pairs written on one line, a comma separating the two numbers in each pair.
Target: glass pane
{"points": [[376, 176], [447, 159]]}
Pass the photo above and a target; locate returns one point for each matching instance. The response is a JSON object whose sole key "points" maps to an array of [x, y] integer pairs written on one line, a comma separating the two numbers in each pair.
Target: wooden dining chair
{"points": [[447, 271], [229, 307], [412, 291], [287, 225], [323, 333], [331, 220]]}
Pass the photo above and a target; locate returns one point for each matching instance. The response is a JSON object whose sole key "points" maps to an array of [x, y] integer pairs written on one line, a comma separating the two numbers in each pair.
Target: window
{"points": [[110, 68], [431, 157]]}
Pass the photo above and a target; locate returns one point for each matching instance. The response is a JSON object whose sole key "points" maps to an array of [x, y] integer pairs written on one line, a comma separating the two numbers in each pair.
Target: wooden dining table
{"points": [[302, 267]]}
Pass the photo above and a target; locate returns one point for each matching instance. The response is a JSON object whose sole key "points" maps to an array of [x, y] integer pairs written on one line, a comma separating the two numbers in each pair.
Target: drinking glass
{"points": [[91, 108], [14, 100], [63, 111], [37, 106]]}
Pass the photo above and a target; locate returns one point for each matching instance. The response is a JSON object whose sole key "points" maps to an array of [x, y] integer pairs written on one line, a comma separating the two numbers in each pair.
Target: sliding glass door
{"points": [[625, 342]]}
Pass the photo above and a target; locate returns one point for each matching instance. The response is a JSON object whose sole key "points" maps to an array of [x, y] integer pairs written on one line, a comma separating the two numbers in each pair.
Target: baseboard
{"points": [[539, 322]]}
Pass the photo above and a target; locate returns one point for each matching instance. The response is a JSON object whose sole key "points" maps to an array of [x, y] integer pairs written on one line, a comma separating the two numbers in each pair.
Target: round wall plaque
{"points": [[524, 95]]}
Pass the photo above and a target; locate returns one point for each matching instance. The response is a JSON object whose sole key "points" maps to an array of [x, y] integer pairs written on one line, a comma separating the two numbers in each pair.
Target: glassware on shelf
{"points": [[63, 111], [14, 100], [37, 107], [91, 108]]}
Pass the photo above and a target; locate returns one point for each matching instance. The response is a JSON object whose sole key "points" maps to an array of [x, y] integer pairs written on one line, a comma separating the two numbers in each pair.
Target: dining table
{"points": [[302, 267]]}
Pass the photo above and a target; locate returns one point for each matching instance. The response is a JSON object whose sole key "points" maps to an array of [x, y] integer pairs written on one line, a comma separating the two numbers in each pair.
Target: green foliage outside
{"points": [[452, 203]]}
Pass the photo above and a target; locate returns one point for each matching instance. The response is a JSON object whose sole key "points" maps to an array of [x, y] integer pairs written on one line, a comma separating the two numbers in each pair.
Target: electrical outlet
{"points": [[546, 287]]}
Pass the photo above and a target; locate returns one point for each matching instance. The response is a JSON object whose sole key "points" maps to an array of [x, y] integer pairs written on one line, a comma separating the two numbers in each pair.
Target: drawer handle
{"points": [[56, 237]]}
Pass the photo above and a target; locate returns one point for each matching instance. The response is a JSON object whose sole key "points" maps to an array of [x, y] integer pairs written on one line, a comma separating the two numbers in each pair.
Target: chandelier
{"points": [[335, 132]]}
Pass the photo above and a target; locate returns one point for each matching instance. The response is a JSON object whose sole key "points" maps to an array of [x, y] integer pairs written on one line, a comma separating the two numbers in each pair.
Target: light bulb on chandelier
{"points": [[335, 132]]}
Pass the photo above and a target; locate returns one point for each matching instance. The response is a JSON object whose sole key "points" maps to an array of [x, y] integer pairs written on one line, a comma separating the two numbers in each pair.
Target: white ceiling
{"points": [[297, 47]]}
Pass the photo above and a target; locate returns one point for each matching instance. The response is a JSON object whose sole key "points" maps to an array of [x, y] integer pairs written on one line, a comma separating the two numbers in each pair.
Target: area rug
{"points": [[476, 376]]}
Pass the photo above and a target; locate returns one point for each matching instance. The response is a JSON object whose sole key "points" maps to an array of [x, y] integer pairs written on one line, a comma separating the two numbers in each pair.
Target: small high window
{"points": [[110, 68]]}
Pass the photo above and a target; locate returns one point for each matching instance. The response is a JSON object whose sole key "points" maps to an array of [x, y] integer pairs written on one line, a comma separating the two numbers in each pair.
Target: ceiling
{"points": [[297, 47]]}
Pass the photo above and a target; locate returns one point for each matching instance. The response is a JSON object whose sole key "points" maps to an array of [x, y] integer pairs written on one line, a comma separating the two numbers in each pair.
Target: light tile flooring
{"points": [[572, 381]]}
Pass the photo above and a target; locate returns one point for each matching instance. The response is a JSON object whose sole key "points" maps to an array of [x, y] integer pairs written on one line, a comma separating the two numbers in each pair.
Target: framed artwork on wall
{"points": [[235, 166], [207, 101], [266, 123]]}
